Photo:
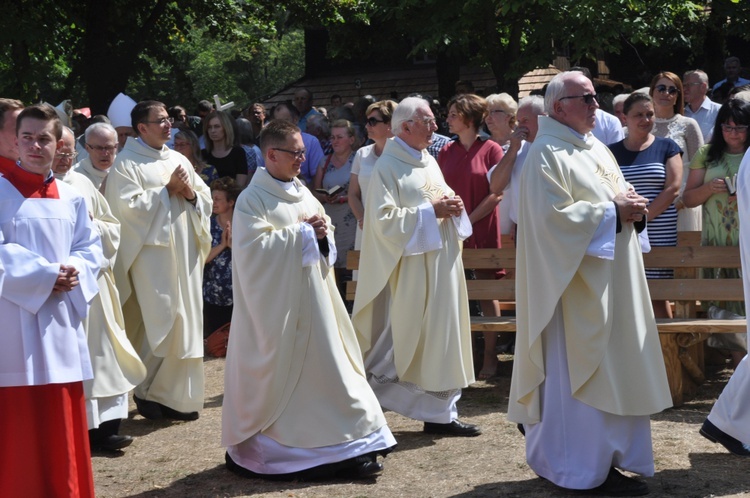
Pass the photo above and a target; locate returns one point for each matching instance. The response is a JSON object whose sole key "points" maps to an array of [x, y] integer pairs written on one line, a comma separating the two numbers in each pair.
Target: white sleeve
{"points": [[426, 236], [311, 251], [602, 244]]}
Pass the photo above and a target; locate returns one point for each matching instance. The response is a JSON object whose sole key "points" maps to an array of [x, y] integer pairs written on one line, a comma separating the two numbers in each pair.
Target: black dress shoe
{"points": [[114, 442], [455, 428], [716, 435], [168, 412], [360, 467], [616, 484], [148, 409]]}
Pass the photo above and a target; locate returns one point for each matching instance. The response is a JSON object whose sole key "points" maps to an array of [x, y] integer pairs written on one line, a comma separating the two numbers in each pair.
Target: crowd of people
{"points": [[127, 239]]}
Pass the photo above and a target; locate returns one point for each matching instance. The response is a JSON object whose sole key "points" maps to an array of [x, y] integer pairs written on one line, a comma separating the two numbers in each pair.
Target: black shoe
{"points": [[360, 467], [521, 429], [148, 409], [115, 442], [617, 484], [455, 428], [716, 435], [173, 414]]}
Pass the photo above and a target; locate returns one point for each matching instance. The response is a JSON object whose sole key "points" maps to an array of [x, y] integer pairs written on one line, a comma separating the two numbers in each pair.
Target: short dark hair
{"points": [[736, 110], [42, 112], [633, 99], [140, 112], [276, 133], [204, 106], [285, 105], [8, 105], [227, 185]]}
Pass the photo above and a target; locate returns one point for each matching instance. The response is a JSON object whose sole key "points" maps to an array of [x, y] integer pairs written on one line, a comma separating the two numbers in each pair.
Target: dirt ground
{"points": [[184, 459]]}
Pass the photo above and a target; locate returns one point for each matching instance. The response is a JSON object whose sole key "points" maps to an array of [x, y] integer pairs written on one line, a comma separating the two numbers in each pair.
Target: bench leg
{"points": [[671, 352]]}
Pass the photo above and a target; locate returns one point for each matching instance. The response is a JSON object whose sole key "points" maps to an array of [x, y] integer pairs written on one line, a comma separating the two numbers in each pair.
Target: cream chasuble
{"points": [[88, 170], [117, 367], [294, 369], [428, 302], [164, 244], [613, 351]]}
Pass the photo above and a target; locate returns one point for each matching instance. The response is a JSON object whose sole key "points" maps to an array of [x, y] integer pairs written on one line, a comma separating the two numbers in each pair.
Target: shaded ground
{"points": [[184, 459]]}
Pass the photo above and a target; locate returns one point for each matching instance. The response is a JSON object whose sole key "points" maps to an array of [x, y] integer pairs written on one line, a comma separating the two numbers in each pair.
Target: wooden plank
{"points": [[666, 326], [696, 290], [500, 290], [692, 257]]}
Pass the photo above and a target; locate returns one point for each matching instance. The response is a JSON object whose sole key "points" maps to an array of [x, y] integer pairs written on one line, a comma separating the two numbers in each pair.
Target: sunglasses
{"points": [[671, 90], [374, 121], [588, 99]]}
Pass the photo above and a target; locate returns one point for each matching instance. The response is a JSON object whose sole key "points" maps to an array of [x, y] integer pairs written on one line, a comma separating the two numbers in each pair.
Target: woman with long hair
{"points": [[186, 143], [222, 147], [710, 184], [669, 107]]}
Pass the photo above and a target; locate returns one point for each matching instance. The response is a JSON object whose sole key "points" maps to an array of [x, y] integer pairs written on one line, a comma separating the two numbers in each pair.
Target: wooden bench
{"points": [[681, 337]]}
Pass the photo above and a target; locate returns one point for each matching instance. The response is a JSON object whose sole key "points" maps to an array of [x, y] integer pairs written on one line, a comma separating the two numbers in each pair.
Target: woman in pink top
{"points": [[465, 163]]}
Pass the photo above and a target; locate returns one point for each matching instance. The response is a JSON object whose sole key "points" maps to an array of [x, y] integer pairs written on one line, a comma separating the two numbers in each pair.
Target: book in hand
{"points": [[331, 191], [731, 184]]}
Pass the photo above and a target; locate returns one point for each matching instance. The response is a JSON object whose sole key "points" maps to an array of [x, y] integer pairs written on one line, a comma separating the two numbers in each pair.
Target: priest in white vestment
{"points": [[729, 421], [588, 368], [117, 367], [297, 405], [164, 210], [411, 309], [51, 257], [101, 145]]}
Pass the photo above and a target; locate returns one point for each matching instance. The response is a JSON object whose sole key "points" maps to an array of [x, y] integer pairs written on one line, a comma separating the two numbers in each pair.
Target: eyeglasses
{"points": [[671, 90], [426, 121], [374, 121], [73, 155], [162, 121], [734, 129], [695, 83], [102, 148], [588, 99], [497, 111], [298, 154]]}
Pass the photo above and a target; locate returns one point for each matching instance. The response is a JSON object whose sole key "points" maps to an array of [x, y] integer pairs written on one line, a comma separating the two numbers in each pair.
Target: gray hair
{"points": [[405, 111], [621, 98], [535, 102], [100, 128], [318, 122], [744, 95], [702, 76]]}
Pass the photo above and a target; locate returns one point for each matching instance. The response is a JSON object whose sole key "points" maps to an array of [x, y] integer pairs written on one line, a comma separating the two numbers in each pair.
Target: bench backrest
{"points": [[687, 259]]}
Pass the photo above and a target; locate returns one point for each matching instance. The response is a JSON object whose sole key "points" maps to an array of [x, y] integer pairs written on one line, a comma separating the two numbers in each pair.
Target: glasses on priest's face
{"points": [[671, 90], [588, 98], [298, 154]]}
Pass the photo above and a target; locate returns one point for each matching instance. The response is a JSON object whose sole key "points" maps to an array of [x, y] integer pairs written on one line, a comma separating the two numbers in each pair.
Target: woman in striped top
{"points": [[653, 166]]}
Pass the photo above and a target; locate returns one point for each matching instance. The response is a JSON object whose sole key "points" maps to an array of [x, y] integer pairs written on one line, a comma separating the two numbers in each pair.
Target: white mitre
{"points": [[119, 111]]}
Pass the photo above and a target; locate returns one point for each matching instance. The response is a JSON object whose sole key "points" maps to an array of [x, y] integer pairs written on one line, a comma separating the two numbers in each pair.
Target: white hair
{"points": [[503, 100], [744, 95], [535, 102], [405, 111], [555, 90], [702, 76], [100, 128]]}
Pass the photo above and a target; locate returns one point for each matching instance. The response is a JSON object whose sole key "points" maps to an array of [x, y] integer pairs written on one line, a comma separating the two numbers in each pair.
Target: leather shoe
{"points": [[455, 428], [716, 435], [148, 409], [114, 442], [360, 467], [617, 484]]}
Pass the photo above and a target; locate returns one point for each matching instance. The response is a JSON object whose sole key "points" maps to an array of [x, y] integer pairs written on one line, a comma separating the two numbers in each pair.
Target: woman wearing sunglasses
{"points": [[710, 184], [669, 106], [378, 125]]}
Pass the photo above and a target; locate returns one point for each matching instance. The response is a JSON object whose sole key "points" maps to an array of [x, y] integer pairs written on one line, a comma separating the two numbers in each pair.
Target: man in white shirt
{"points": [[697, 105], [732, 68]]}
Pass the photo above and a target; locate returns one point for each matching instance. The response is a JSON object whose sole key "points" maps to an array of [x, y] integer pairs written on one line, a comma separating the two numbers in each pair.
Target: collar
{"points": [[416, 154], [32, 185]]}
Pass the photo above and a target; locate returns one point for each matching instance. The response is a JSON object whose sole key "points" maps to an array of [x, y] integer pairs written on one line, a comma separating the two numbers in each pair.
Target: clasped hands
{"points": [[631, 206], [67, 279], [179, 183], [319, 224], [447, 207]]}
